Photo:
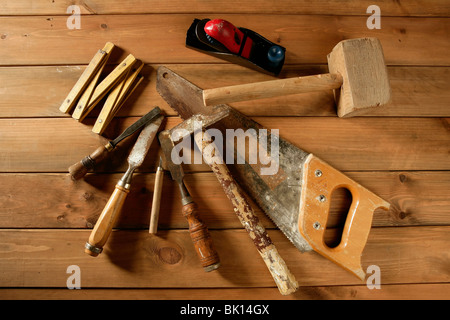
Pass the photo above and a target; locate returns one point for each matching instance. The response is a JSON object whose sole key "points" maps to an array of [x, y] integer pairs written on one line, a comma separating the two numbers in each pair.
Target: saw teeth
{"points": [[279, 228]]}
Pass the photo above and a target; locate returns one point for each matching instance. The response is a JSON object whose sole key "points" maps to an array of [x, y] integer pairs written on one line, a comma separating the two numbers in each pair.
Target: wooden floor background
{"points": [[401, 151]]}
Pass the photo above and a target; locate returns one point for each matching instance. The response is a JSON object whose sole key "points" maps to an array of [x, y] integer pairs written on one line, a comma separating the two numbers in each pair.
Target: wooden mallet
{"points": [[358, 76]]}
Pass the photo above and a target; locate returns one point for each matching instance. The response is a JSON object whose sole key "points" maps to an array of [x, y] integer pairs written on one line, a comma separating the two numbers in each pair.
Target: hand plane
{"points": [[296, 197], [223, 40]]}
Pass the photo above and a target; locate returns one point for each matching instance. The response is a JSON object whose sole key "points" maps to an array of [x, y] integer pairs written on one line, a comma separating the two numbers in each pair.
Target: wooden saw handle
{"points": [[106, 221], [281, 274], [319, 182], [79, 169], [271, 88], [201, 238]]}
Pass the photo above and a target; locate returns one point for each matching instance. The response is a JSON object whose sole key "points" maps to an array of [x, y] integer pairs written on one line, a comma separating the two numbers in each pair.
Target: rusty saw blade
{"points": [[278, 195], [296, 195]]}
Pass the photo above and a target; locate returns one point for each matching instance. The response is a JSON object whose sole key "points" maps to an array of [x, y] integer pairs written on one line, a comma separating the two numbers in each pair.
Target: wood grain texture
{"points": [[36, 200], [416, 91], [376, 143], [136, 259], [157, 38], [438, 291], [400, 152], [413, 8]]}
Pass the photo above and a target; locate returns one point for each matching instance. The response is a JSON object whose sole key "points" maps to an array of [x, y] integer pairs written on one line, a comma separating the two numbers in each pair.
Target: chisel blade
{"points": [[136, 126], [176, 171], [143, 143]]}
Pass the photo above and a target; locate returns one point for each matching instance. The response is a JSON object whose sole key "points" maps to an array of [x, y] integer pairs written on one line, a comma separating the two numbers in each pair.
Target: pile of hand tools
{"points": [[296, 197]]}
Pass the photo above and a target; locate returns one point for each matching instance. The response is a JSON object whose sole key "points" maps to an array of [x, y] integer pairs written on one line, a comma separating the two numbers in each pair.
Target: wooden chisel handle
{"points": [[201, 238], [271, 88], [79, 169], [154, 215], [281, 274], [106, 221]]}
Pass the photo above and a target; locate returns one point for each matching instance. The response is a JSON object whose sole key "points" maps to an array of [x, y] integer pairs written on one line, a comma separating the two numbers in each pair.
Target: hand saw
{"points": [[297, 197]]}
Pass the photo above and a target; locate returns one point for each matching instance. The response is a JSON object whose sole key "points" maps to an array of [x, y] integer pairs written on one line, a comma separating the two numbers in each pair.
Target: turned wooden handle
{"points": [[106, 221], [281, 274], [272, 88], [154, 215], [201, 238], [79, 169]]}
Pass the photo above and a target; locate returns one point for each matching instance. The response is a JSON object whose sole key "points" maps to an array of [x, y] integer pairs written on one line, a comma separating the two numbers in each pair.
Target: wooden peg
{"points": [[154, 215]]}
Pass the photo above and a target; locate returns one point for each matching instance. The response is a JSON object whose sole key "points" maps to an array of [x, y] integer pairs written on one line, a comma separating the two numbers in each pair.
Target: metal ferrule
{"points": [[125, 182], [185, 196], [92, 248]]}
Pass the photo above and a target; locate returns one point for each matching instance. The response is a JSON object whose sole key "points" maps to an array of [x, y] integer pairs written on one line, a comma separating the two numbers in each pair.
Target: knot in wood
{"points": [[169, 255]]}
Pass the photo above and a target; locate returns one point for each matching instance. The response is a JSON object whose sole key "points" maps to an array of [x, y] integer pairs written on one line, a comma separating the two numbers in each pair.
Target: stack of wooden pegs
{"points": [[118, 85]]}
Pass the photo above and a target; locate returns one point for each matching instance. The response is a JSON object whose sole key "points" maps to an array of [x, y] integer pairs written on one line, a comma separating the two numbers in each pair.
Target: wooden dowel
{"points": [[154, 215]]}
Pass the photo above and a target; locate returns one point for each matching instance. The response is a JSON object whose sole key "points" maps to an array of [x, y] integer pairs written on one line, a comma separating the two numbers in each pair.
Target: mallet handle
{"points": [[271, 88]]}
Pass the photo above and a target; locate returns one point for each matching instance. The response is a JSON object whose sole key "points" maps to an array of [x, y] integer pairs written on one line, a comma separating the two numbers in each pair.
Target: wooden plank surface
{"points": [[161, 38], [137, 259], [31, 145], [400, 151], [388, 8], [435, 291], [417, 198], [416, 91]]}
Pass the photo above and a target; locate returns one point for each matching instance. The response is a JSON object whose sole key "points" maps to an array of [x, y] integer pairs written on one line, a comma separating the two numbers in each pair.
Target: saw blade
{"points": [[278, 195]]}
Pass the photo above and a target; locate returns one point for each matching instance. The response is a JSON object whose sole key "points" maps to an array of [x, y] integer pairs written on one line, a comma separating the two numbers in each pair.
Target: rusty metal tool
{"points": [[79, 169], [297, 196], [200, 235], [276, 265], [110, 213], [282, 276]]}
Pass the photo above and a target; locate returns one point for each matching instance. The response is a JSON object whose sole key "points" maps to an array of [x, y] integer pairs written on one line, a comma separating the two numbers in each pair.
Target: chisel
{"points": [[79, 169], [110, 213], [199, 232]]}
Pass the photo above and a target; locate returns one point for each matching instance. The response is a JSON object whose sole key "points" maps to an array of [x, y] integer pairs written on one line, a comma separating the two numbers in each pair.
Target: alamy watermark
{"points": [[74, 280], [74, 21], [373, 280], [263, 147], [374, 21]]}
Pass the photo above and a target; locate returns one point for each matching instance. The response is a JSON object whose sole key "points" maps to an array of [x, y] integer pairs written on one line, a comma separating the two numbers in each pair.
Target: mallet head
{"points": [[365, 85]]}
